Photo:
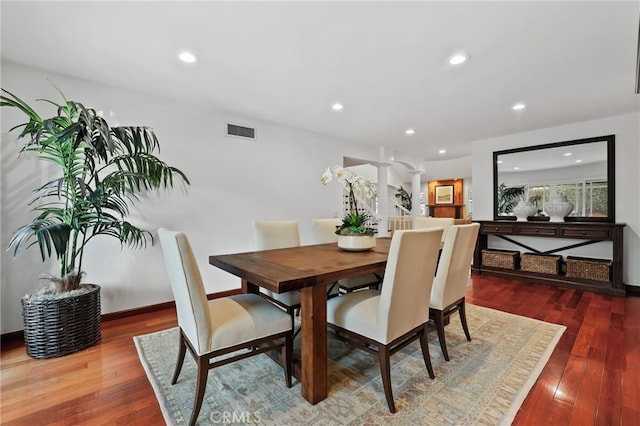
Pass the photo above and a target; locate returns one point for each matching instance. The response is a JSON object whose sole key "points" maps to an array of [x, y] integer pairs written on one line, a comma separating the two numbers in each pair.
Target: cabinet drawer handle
{"points": [[497, 229], [535, 230], [584, 232]]}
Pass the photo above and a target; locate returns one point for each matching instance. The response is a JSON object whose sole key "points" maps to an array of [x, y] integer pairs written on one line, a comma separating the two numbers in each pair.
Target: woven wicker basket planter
{"points": [[587, 268], [505, 259], [56, 327], [542, 263]]}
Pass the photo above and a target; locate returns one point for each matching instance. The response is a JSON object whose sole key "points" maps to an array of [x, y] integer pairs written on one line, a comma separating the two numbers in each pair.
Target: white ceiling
{"points": [[287, 62]]}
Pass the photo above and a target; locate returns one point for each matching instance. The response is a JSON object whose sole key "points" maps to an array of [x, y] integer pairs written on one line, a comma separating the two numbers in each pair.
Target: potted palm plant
{"points": [[101, 170]]}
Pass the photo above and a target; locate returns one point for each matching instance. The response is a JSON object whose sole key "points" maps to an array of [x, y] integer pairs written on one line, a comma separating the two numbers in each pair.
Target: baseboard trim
{"points": [[632, 290], [11, 337], [137, 311], [14, 336]]}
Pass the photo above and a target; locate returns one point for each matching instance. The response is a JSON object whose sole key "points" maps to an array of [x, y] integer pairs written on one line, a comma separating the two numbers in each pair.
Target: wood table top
{"points": [[293, 268]]}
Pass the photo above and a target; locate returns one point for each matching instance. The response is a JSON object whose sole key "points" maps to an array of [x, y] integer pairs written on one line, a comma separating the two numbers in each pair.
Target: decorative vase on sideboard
{"points": [[557, 208], [524, 209]]}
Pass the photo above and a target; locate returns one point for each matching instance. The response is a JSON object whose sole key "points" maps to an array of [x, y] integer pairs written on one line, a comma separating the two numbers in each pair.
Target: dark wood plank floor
{"points": [[593, 376]]}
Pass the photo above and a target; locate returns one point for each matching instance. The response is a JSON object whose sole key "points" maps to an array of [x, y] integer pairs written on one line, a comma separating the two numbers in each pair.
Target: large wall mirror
{"points": [[582, 170]]}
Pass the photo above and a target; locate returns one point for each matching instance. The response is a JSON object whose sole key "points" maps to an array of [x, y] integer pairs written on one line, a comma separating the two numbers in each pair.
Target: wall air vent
{"points": [[237, 131]]}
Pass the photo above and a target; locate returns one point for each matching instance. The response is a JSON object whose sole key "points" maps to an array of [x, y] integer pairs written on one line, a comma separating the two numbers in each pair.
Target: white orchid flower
{"points": [[353, 184], [327, 176]]}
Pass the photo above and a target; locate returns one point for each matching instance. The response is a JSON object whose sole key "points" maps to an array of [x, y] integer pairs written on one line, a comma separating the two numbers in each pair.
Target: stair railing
{"points": [[399, 216]]}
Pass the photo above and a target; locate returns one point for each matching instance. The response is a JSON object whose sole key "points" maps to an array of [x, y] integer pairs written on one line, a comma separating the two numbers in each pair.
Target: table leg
{"points": [[248, 287], [313, 343]]}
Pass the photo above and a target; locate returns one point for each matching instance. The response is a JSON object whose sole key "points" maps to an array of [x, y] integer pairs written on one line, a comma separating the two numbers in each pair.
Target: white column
{"points": [[383, 199], [415, 192]]}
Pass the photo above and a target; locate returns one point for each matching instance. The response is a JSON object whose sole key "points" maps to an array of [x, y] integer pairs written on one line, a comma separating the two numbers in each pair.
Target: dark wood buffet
{"points": [[584, 233]]}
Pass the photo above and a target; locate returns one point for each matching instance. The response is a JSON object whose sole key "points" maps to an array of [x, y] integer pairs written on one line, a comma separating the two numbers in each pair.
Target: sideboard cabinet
{"points": [[584, 233]]}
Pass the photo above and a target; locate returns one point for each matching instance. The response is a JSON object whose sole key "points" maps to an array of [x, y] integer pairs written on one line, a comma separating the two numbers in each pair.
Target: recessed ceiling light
{"points": [[187, 57], [458, 59], [442, 151], [499, 161], [409, 132], [518, 107], [337, 106], [567, 154], [578, 161], [516, 168]]}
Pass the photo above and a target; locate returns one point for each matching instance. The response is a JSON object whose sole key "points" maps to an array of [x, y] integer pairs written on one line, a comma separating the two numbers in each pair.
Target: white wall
{"points": [[233, 183], [627, 131]]}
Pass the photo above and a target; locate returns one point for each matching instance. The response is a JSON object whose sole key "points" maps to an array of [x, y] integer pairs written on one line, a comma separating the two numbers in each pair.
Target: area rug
{"points": [[485, 382]]}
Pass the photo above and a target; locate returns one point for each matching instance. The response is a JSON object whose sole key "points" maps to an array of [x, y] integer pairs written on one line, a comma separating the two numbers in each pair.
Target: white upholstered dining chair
{"points": [[324, 231], [434, 222], [278, 234], [385, 321], [244, 323], [450, 283]]}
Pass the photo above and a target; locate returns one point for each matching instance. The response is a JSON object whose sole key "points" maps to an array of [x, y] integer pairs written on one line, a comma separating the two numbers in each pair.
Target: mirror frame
{"points": [[611, 186]]}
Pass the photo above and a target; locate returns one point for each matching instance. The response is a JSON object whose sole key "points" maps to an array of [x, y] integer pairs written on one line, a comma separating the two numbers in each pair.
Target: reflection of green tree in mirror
{"points": [[596, 198]]}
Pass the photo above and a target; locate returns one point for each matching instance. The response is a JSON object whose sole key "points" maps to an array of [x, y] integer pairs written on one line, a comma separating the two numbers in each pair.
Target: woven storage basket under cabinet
{"points": [[542, 263], [591, 269], [505, 259]]}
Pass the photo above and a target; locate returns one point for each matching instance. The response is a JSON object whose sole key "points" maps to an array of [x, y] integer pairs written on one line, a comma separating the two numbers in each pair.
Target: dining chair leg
{"points": [[438, 319], [385, 373], [288, 355], [424, 344], [180, 361], [463, 320], [293, 312], [201, 385]]}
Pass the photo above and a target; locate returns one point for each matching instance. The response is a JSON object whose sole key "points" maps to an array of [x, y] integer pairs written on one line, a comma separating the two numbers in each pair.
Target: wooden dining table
{"points": [[308, 269]]}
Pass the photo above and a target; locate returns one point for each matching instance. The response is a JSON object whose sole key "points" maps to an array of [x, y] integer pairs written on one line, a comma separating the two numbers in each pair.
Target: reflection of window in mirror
{"points": [[596, 196], [588, 197]]}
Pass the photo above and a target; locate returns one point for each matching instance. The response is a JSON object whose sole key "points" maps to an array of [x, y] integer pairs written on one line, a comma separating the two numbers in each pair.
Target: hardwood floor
{"points": [[593, 376]]}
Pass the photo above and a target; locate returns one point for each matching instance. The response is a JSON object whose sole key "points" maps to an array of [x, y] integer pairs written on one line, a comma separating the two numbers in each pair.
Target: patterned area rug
{"points": [[485, 382]]}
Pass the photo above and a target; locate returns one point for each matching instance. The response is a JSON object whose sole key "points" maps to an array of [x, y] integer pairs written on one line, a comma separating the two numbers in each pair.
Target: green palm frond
{"points": [[508, 197], [102, 170], [45, 232]]}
